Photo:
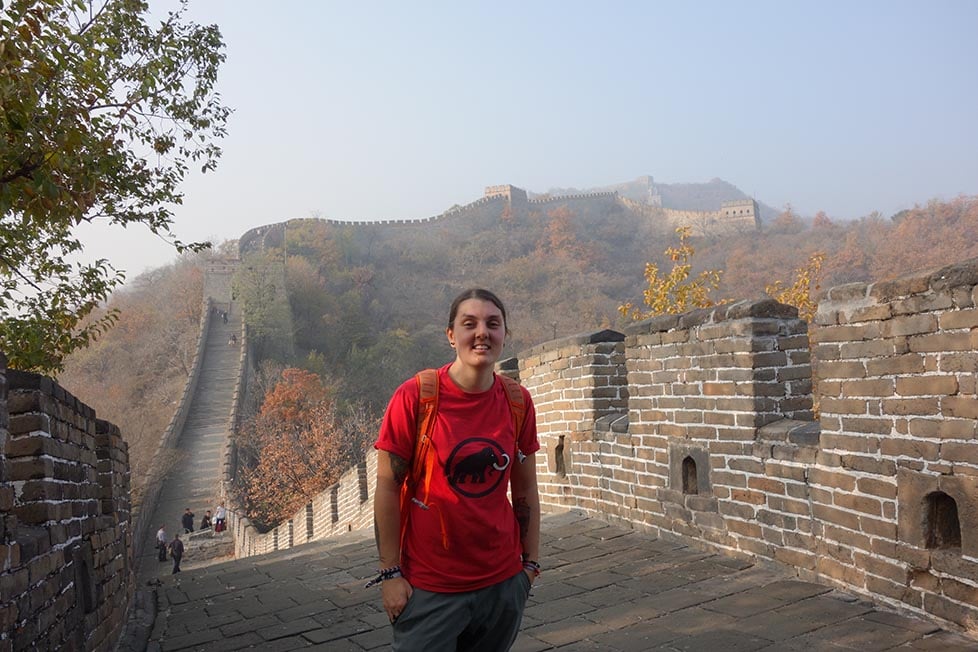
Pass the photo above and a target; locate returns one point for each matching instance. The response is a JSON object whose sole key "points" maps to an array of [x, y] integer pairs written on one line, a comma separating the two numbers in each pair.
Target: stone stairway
{"points": [[193, 479]]}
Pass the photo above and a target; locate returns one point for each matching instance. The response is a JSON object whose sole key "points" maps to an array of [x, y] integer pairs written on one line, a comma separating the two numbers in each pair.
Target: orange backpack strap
{"points": [[427, 407], [423, 459], [517, 405]]}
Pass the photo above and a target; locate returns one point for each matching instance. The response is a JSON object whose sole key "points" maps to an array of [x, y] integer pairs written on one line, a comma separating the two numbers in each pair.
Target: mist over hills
{"points": [[702, 196]]}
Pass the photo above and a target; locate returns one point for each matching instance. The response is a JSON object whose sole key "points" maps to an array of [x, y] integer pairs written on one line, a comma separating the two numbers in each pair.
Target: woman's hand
{"points": [[395, 593]]}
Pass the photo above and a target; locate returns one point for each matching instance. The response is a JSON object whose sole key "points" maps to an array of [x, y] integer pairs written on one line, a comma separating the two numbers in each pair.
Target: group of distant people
{"points": [[232, 338], [175, 546]]}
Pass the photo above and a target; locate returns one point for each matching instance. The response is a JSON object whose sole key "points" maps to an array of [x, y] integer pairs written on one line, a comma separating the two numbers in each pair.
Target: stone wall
{"points": [[65, 538], [701, 425], [141, 524], [735, 216]]}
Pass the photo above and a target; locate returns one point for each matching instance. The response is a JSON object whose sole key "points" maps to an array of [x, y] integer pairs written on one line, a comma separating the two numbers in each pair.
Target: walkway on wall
{"points": [[603, 589], [194, 480]]}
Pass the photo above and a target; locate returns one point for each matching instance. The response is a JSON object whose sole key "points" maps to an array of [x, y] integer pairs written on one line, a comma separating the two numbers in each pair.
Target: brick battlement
{"points": [[701, 425], [66, 580]]}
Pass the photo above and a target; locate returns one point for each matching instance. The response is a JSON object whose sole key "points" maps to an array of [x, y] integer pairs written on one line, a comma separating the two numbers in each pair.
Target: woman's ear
{"points": [[450, 336]]}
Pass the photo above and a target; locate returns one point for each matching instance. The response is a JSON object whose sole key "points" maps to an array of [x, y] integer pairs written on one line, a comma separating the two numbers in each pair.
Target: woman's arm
{"points": [[391, 474], [526, 506]]}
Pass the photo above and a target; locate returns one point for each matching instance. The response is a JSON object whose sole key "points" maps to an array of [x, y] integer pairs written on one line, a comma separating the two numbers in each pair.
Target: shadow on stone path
{"points": [[604, 588]]}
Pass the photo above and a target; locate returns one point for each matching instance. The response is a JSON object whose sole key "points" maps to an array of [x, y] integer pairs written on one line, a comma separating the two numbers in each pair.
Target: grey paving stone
{"points": [[639, 637], [289, 629], [745, 604], [249, 625], [239, 642], [566, 631], [728, 640], [694, 620], [866, 635], [185, 641], [672, 600], [942, 641]]}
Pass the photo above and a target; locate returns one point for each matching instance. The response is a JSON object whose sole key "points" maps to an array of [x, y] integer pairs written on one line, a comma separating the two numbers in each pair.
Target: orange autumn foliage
{"points": [[300, 444]]}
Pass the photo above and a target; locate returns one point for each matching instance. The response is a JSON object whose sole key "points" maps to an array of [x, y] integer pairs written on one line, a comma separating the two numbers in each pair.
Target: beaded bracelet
{"points": [[385, 574]]}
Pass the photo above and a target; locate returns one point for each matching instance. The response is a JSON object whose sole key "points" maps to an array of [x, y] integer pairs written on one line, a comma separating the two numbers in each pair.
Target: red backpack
{"points": [[424, 460]]}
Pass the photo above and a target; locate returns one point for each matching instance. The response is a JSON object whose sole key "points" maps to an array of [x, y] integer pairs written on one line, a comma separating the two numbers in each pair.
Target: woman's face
{"points": [[477, 333]]}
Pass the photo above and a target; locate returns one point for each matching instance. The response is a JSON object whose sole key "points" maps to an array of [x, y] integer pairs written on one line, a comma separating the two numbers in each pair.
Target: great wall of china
{"points": [[701, 426], [733, 215], [697, 426]]}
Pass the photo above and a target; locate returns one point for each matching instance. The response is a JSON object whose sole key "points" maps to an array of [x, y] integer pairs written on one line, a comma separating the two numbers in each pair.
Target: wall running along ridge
{"points": [[701, 425]]}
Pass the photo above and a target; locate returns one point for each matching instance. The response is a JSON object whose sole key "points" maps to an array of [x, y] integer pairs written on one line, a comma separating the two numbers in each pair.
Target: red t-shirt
{"points": [[467, 500]]}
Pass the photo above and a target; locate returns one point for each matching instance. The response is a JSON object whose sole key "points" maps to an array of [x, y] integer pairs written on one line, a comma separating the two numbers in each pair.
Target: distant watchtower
{"points": [[511, 193]]}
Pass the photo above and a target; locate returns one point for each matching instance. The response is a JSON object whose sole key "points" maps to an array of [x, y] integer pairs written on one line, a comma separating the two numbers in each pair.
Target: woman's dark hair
{"points": [[482, 295]]}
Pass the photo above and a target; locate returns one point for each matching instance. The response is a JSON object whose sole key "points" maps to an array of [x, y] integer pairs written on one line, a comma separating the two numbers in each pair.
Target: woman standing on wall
{"points": [[457, 559]]}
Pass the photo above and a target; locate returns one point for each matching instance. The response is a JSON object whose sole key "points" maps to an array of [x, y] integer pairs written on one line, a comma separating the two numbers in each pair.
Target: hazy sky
{"points": [[378, 110]]}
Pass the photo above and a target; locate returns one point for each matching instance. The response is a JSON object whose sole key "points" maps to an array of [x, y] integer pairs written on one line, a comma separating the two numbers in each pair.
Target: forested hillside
{"points": [[369, 303], [366, 306], [134, 374]]}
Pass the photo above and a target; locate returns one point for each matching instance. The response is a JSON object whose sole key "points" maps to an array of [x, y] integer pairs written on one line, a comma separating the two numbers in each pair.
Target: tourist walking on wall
{"points": [[457, 559], [161, 543], [187, 520], [176, 551], [220, 516]]}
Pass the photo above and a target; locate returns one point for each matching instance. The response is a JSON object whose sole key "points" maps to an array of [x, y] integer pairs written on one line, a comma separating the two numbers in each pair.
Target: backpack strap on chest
{"points": [[517, 407]]}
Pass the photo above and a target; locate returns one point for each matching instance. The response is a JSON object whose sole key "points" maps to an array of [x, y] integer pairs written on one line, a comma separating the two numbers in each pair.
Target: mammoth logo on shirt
{"points": [[476, 467]]}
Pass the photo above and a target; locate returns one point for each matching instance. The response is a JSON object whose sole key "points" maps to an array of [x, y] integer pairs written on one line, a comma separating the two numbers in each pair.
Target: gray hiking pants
{"points": [[486, 620]]}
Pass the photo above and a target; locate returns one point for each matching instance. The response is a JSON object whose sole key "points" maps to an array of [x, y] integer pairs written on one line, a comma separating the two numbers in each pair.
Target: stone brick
{"points": [[948, 609], [767, 485], [847, 333], [843, 406], [927, 386], [844, 369], [965, 407], [912, 406], [909, 325], [940, 342], [877, 487], [864, 504], [869, 349], [958, 319], [847, 520], [868, 387], [867, 425], [909, 363], [958, 428], [959, 362], [833, 479], [844, 573], [853, 443], [869, 465]]}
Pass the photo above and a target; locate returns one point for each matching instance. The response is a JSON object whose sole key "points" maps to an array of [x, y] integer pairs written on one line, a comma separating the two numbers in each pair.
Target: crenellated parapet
{"points": [[66, 580], [738, 215], [586, 196], [702, 426]]}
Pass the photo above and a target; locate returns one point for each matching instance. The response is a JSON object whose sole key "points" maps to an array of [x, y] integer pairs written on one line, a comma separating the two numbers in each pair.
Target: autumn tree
{"points": [[803, 290], [259, 287], [136, 373], [300, 443], [675, 292], [102, 117], [787, 221]]}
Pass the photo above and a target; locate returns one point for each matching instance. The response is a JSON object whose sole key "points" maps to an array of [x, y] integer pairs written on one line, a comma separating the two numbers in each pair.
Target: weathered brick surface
{"points": [[67, 478], [719, 390]]}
